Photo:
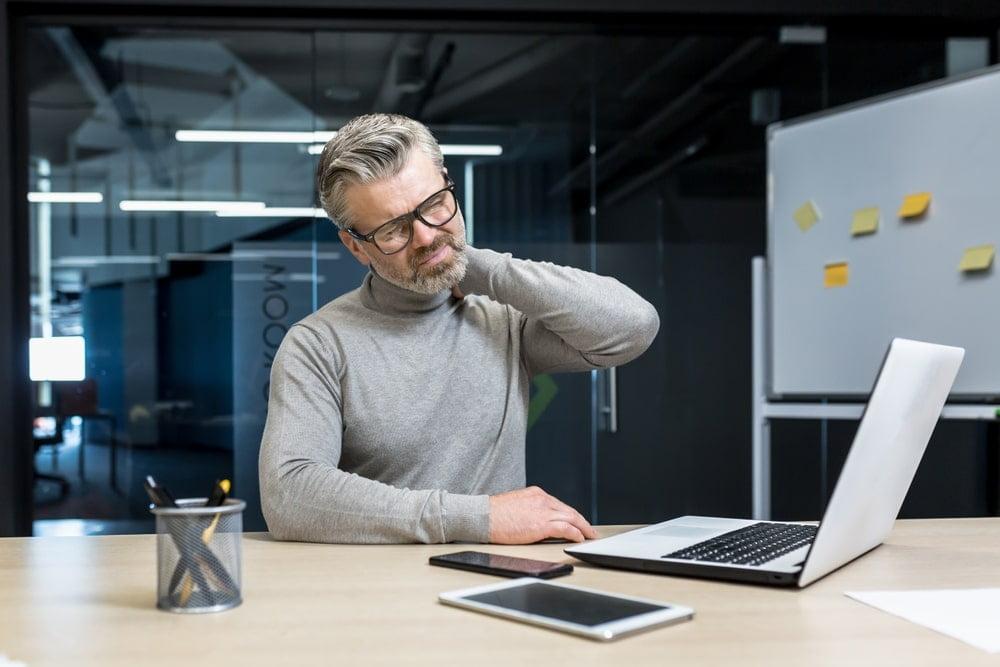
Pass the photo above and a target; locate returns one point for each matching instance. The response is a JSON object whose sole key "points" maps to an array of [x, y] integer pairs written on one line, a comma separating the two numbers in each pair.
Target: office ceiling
{"points": [[96, 91], [104, 103]]}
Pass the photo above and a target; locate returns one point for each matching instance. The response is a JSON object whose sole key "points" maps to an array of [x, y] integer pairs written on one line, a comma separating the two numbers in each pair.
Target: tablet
{"points": [[580, 611]]}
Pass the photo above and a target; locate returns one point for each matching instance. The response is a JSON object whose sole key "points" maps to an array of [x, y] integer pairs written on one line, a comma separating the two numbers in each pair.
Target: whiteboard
{"points": [[903, 280]]}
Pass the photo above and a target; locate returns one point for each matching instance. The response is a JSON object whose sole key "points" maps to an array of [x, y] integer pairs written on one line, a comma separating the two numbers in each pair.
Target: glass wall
{"points": [[175, 235]]}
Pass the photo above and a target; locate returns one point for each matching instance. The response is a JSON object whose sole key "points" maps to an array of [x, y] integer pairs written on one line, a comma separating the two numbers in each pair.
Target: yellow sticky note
{"points": [[865, 221], [835, 274], [806, 215], [915, 205], [977, 258]]}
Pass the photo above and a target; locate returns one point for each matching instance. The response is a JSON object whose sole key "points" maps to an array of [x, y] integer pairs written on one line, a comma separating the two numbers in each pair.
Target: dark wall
{"points": [[195, 313], [956, 477], [194, 355], [103, 322]]}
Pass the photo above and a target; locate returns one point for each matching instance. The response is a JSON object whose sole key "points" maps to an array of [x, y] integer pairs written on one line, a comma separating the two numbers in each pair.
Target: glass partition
{"points": [[175, 235], [143, 207]]}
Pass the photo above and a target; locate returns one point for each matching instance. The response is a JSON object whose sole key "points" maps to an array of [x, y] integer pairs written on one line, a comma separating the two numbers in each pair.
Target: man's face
{"points": [[434, 259]]}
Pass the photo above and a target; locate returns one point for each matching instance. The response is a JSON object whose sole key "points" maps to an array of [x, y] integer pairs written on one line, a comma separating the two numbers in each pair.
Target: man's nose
{"points": [[423, 235]]}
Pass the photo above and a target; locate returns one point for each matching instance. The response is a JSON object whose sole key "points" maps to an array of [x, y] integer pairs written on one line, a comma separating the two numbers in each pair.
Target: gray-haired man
{"points": [[398, 411]]}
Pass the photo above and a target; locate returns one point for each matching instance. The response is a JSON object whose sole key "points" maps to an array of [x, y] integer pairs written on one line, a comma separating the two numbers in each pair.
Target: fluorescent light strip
{"points": [[472, 149], [252, 137], [100, 260], [180, 205], [65, 197], [276, 212], [316, 139], [446, 149], [249, 255]]}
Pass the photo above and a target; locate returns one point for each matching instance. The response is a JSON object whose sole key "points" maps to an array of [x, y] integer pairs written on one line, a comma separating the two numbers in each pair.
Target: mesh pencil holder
{"points": [[198, 556]]}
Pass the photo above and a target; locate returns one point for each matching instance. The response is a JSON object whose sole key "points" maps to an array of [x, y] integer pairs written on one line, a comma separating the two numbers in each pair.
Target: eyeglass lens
{"points": [[436, 211]]}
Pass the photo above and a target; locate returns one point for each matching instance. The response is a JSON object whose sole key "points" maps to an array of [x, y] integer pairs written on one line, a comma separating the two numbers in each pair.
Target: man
{"points": [[398, 411]]}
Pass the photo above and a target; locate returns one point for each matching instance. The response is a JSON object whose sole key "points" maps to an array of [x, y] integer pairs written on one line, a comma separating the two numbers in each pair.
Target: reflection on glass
{"points": [[56, 358], [174, 226], [128, 250]]}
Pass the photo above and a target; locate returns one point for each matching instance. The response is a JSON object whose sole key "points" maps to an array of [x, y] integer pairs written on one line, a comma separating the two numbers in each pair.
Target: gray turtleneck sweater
{"points": [[393, 416]]}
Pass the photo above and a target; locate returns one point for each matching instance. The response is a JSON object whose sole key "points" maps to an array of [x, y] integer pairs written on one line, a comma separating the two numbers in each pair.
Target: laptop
{"points": [[895, 427]]}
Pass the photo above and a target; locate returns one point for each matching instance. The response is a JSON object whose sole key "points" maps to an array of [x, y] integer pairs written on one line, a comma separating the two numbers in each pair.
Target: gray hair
{"points": [[367, 149]]}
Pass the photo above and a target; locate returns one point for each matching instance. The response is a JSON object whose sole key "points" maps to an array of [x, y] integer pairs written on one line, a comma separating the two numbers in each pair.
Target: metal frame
{"points": [[764, 409], [16, 454]]}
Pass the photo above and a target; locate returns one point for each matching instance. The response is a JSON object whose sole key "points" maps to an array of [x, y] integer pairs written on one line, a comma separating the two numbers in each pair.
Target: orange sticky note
{"points": [[865, 221], [915, 205], [807, 215], [977, 258], [835, 274]]}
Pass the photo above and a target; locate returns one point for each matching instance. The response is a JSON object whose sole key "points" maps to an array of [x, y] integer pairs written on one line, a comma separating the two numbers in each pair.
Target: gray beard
{"points": [[435, 281]]}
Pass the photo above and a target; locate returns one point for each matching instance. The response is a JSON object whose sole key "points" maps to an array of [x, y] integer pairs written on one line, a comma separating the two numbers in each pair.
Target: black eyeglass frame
{"points": [[410, 217]]}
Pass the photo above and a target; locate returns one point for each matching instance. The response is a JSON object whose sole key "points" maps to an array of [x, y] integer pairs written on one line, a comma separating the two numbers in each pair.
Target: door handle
{"points": [[611, 391]]}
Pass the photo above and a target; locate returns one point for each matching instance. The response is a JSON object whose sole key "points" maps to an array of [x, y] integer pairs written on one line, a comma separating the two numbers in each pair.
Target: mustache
{"points": [[445, 239]]}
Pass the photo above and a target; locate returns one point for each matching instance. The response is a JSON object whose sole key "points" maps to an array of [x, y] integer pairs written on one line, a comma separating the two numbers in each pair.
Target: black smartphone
{"points": [[504, 566]]}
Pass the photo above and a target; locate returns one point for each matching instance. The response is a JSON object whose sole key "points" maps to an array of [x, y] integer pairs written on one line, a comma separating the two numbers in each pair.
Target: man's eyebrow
{"points": [[408, 214], [398, 218]]}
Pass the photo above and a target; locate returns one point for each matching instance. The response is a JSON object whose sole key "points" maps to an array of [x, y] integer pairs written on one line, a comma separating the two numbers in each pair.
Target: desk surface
{"points": [[90, 601]]}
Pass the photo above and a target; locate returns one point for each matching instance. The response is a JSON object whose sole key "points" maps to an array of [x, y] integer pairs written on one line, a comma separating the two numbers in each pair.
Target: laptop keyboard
{"points": [[753, 545]]}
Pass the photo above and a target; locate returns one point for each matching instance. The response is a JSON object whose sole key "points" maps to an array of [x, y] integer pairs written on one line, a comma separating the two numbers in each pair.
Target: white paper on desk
{"points": [[971, 615], [6, 662]]}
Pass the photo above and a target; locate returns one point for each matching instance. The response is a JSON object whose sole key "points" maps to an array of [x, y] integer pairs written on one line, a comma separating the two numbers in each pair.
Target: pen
{"points": [[162, 498], [219, 493], [213, 567], [157, 494], [216, 498]]}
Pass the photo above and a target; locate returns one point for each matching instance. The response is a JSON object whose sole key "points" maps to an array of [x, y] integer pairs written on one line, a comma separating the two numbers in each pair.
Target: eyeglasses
{"points": [[435, 211]]}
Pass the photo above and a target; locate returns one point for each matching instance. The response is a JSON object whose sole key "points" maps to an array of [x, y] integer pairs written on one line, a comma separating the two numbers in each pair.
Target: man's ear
{"points": [[354, 246]]}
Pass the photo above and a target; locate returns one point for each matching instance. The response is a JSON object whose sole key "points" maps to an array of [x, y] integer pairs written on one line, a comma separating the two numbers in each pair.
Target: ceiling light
{"points": [[276, 212], [180, 205], [316, 139], [100, 260], [471, 149], [446, 149], [65, 197], [253, 137]]}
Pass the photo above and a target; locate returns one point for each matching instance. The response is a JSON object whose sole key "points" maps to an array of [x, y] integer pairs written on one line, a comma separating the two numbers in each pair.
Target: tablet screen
{"points": [[565, 604]]}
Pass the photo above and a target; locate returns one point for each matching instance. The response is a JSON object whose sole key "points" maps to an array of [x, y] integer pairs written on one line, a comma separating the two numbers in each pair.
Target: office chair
{"points": [[53, 440], [80, 399]]}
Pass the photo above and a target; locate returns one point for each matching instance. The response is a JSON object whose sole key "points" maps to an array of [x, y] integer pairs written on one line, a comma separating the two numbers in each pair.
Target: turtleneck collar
{"points": [[380, 295]]}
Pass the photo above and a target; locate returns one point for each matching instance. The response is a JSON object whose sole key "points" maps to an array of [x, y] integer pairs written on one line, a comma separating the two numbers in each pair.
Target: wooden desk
{"points": [[90, 601]]}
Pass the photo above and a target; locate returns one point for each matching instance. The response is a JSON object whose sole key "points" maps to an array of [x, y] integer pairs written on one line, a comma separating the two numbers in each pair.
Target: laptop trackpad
{"points": [[689, 532]]}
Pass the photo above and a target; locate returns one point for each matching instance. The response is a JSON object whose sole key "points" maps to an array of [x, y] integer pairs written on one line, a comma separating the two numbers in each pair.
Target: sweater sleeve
{"points": [[573, 320], [306, 497]]}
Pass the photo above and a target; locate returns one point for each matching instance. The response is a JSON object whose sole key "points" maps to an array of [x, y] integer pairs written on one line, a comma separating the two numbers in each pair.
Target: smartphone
{"points": [[580, 611], [504, 566]]}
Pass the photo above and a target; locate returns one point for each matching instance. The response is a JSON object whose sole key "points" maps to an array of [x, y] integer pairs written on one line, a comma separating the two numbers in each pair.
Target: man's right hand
{"points": [[531, 515]]}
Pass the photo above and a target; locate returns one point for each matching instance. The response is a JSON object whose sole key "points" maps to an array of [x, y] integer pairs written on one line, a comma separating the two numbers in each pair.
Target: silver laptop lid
{"points": [[897, 424]]}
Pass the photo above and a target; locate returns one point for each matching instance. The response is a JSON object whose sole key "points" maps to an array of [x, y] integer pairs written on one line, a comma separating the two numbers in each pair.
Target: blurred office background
{"points": [[628, 144]]}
